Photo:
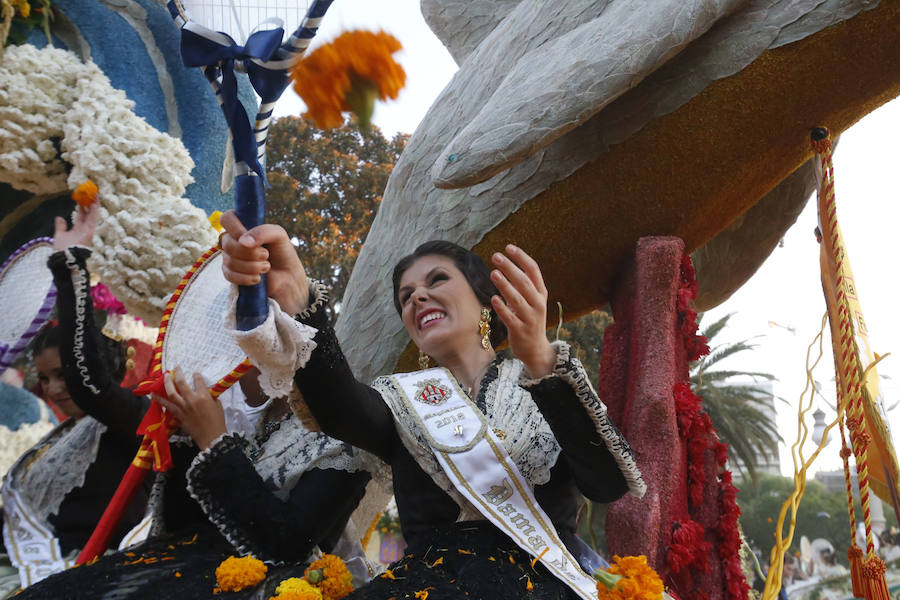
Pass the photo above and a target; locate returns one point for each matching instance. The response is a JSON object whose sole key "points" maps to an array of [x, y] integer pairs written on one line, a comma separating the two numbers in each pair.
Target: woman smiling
{"points": [[488, 455]]}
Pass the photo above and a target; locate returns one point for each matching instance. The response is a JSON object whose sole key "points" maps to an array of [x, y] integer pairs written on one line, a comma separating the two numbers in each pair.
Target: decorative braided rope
{"points": [[854, 553], [850, 374]]}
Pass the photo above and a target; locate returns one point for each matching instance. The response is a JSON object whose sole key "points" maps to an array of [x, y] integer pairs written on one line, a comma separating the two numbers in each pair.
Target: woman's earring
{"points": [[484, 328], [423, 361]]}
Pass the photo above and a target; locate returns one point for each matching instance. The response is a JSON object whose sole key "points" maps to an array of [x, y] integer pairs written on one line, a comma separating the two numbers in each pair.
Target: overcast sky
{"points": [[786, 290]]}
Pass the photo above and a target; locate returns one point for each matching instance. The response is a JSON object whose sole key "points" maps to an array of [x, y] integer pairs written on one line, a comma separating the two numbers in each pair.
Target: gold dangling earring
{"points": [[423, 361], [484, 329]]}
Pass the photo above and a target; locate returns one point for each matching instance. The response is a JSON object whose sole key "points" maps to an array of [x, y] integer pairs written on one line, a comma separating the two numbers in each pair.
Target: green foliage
{"points": [[737, 411], [592, 525], [389, 523], [326, 187], [585, 335], [40, 14], [820, 514]]}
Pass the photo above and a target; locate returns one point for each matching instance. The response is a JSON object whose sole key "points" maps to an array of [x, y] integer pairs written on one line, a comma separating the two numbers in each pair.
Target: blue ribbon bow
{"points": [[199, 50]]}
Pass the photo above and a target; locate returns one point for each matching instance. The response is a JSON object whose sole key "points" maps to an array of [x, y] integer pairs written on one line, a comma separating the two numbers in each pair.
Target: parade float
{"points": [[611, 167]]}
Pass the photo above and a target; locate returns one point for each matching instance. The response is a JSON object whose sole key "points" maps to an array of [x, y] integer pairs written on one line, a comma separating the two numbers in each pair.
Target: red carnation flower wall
{"points": [[686, 524]]}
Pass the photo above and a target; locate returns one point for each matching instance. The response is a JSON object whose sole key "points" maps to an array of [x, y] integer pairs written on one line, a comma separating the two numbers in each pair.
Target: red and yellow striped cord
{"points": [[156, 364], [848, 365], [854, 552]]}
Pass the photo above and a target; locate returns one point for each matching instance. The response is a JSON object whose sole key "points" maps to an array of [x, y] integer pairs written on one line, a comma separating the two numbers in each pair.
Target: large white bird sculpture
{"points": [[574, 128]]}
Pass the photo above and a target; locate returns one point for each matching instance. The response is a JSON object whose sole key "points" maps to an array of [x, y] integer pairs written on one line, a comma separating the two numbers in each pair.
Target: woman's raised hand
{"points": [[82, 232], [523, 308], [264, 249], [200, 415]]}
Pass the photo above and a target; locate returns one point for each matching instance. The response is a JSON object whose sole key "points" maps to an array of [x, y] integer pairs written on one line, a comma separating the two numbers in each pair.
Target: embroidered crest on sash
{"points": [[431, 391]]}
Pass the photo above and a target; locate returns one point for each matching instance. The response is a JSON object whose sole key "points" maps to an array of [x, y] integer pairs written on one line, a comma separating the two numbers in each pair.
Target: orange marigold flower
{"points": [[347, 75], [423, 594], [439, 561], [85, 194], [235, 574], [331, 576], [388, 574], [295, 588], [629, 578], [24, 8]]}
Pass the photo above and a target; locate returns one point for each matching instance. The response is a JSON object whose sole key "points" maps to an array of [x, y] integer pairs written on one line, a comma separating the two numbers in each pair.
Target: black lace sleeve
{"points": [[345, 409], [85, 367], [256, 521], [599, 457]]}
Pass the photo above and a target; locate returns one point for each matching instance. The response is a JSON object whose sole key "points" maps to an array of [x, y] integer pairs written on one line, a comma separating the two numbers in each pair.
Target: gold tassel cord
{"points": [[854, 552], [857, 385]]}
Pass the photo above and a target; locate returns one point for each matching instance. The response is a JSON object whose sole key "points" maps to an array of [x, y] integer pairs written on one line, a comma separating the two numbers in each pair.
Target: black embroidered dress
{"points": [[276, 496], [555, 429]]}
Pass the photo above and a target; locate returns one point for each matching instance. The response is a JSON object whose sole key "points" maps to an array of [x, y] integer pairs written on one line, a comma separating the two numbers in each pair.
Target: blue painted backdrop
{"points": [[137, 45]]}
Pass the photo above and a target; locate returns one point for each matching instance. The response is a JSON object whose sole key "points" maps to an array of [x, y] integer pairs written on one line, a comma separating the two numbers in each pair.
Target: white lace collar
{"points": [[510, 411]]}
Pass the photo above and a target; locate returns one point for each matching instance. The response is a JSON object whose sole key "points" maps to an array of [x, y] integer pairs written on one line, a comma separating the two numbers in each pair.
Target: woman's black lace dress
{"points": [[214, 504], [556, 446]]}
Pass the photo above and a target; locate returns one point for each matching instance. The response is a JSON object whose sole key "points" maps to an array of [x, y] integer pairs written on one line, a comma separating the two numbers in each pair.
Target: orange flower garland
{"points": [[235, 574], [331, 576], [630, 578], [346, 75], [85, 194]]}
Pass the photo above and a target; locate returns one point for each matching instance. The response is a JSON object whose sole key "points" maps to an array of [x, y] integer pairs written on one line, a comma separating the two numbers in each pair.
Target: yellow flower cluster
{"points": [[85, 194], [636, 580], [297, 589], [215, 220], [334, 580], [23, 7], [235, 574], [346, 75]]}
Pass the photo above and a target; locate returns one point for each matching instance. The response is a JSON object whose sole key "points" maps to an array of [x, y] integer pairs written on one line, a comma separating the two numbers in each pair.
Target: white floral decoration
{"points": [[148, 234]]}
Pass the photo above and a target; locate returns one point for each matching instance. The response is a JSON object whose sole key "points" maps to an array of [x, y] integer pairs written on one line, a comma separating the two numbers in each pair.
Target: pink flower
{"points": [[103, 299]]}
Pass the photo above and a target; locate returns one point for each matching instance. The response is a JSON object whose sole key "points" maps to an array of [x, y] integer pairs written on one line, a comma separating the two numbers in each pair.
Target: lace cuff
{"points": [[570, 370], [277, 347]]}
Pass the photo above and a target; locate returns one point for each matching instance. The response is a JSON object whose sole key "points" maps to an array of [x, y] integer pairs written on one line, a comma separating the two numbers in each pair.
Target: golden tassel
{"points": [[854, 555], [873, 574]]}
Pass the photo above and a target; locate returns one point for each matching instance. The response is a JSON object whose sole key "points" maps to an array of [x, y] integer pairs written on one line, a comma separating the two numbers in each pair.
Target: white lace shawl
{"points": [[56, 465], [510, 408], [292, 450], [527, 436]]}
